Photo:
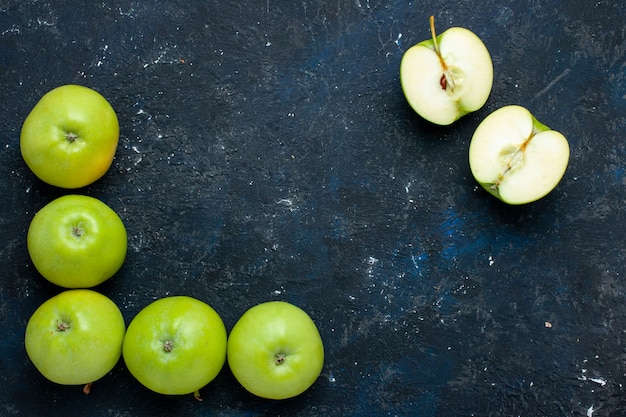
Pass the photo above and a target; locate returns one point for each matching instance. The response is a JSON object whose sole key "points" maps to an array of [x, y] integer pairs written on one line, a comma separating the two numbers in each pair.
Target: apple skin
{"points": [[275, 350], [515, 157], [175, 345], [70, 137], [75, 337], [470, 65], [77, 241]]}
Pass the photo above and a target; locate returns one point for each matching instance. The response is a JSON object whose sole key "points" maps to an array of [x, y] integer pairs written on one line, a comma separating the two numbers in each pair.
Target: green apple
{"points": [[77, 241], [70, 137], [175, 345], [275, 350], [448, 76], [515, 157], [75, 337]]}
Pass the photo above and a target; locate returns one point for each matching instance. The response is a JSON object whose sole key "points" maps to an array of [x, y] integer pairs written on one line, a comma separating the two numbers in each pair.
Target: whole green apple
{"points": [[77, 241], [275, 350], [175, 345], [70, 137], [75, 337], [447, 76], [515, 157]]}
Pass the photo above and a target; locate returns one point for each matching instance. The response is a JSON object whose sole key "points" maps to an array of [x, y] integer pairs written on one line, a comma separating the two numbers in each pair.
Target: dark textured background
{"points": [[267, 153]]}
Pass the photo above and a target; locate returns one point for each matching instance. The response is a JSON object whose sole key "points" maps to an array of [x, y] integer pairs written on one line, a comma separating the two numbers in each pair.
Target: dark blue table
{"points": [[267, 153]]}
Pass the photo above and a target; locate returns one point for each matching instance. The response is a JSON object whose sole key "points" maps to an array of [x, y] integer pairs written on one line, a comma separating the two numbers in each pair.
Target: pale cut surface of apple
{"points": [[469, 64], [515, 157]]}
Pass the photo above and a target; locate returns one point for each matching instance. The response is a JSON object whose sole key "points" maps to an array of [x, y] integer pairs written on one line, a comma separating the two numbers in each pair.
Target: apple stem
{"points": [[434, 34], [87, 388], [196, 395], [446, 79]]}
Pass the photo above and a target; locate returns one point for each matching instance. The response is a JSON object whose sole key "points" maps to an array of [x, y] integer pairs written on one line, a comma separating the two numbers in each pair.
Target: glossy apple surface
{"points": [[70, 137], [275, 350], [77, 241], [75, 337], [175, 345], [448, 76], [515, 157]]}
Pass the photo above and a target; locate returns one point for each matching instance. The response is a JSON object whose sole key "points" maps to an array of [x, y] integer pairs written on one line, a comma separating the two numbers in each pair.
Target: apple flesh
{"points": [[175, 345], [70, 137], [275, 350], [75, 337], [77, 241], [515, 157], [448, 76]]}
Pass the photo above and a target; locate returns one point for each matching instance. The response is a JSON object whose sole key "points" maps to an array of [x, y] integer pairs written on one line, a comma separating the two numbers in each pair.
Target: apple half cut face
{"points": [[448, 76], [515, 157]]}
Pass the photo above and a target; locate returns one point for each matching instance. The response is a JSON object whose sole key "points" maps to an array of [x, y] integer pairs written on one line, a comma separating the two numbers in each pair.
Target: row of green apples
{"points": [[511, 154], [174, 345]]}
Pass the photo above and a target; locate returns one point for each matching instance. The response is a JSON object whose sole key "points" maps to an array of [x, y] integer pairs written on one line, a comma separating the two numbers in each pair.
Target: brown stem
{"points": [[87, 388], [446, 79]]}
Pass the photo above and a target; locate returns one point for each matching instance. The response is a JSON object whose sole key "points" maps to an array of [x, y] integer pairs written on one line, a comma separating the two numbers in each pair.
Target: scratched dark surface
{"points": [[267, 153]]}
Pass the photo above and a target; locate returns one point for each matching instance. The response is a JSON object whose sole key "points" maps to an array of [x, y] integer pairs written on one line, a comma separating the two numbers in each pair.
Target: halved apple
{"points": [[515, 157], [448, 76]]}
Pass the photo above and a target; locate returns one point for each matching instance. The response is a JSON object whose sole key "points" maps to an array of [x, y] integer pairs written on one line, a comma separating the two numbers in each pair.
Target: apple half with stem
{"points": [[275, 350], [515, 157], [448, 76]]}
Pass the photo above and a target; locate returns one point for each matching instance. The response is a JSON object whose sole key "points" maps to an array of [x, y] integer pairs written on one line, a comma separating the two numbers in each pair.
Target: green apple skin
{"points": [[75, 337], [70, 137], [275, 350], [175, 345], [516, 158], [77, 241], [469, 64]]}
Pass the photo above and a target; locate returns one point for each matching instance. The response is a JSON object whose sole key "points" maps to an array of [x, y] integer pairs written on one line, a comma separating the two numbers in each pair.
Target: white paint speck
{"points": [[590, 411], [600, 381]]}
